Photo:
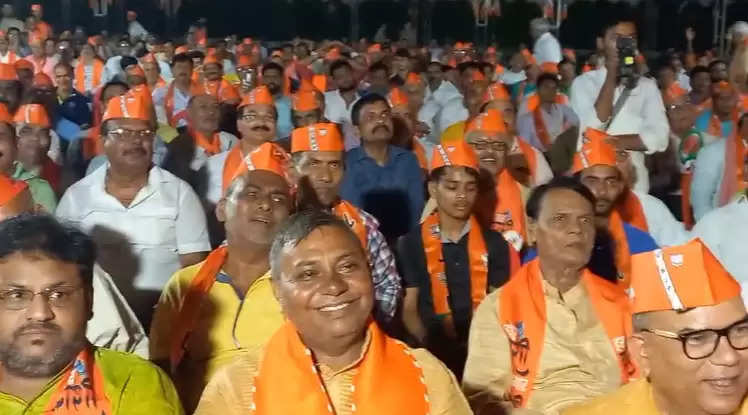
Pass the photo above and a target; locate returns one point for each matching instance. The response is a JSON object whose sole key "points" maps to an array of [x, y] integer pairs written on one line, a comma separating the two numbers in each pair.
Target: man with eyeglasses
{"points": [[48, 365], [146, 222], [690, 338], [32, 164]]}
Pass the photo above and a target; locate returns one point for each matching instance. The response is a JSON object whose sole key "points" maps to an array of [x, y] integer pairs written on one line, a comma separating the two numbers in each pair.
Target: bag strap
{"points": [[618, 106]]}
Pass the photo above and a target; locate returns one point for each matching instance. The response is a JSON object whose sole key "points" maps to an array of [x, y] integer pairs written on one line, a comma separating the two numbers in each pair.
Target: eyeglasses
{"points": [[489, 145], [122, 134], [701, 344], [20, 299], [253, 116]]}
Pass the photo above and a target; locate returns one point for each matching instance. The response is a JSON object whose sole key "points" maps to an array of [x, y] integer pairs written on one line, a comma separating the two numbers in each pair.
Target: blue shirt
{"points": [[702, 124], [76, 108], [392, 193], [284, 127]]}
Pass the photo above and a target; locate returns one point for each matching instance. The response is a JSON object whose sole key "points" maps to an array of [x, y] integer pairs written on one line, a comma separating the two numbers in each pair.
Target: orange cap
{"points": [[149, 57], [247, 41], [5, 114], [496, 92], [36, 7], [181, 49], [595, 151], [413, 79], [10, 188], [317, 137], [459, 46], [549, 67], [243, 60], [722, 87], [33, 114], [8, 72], [259, 95], [397, 98], [491, 50], [277, 54], [374, 48], [305, 101], [491, 122], [569, 54], [212, 59], [458, 153], [132, 105], [333, 54], [678, 278], [478, 76], [306, 85], [20, 65], [269, 157]]}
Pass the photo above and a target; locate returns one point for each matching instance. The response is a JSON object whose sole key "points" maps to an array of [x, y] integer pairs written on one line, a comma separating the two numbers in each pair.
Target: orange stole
{"points": [[478, 257], [350, 215], [188, 312], [387, 380], [622, 252], [540, 129], [510, 210], [81, 389], [530, 156], [221, 89], [420, 153], [84, 85], [522, 315], [172, 118], [715, 124], [211, 146], [631, 211]]}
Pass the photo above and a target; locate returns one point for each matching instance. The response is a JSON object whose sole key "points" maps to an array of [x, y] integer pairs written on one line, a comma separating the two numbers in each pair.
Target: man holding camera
{"points": [[615, 99]]}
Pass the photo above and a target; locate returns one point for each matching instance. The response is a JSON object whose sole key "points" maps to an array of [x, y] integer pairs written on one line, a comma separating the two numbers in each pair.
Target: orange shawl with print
{"points": [[388, 380], [522, 315], [211, 146], [81, 389], [84, 84], [351, 216]]}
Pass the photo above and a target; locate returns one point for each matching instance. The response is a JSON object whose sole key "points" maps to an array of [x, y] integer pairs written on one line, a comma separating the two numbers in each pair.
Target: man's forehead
{"points": [[258, 109], [625, 29], [565, 201], [326, 156], [601, 171], [697, 318], [268, 181]]}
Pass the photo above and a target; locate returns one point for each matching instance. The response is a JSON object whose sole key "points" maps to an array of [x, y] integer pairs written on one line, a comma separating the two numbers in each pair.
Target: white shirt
{"points": [[136, 30], [543, 173], [451, 113], [227, 140], [114, 324], [212, 178], [725, 232], [138, 245], [557, 118], [9, 22], [338, 112], [643, 114], [112, 69], [663, 227], [180, 104], [547, 49]]}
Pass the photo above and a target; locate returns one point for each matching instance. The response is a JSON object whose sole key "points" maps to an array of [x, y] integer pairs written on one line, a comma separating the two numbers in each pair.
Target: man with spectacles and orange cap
{"points": [[135, 211], [451, 261], [555, 334], [318, 154], [32, 163], [690, 338], [628, 222], [208, 312]]}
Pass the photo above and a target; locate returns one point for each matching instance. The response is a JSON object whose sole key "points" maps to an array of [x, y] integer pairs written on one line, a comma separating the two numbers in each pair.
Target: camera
{"points": [[626, 46]]}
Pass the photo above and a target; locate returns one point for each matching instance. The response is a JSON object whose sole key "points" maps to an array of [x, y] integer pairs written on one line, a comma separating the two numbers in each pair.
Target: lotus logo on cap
{"points": [[676, 260]]}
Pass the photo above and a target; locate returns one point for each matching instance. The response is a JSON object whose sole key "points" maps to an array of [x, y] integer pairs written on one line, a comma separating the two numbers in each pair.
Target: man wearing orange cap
{"points": [[209, 311], [628, 222], [32, 163], [555, 334], [256, 122], [306, 107], [546, 115], [451, 261], [690, 338], [721, 119], [318, 151], [214, 84], [137, 212]]}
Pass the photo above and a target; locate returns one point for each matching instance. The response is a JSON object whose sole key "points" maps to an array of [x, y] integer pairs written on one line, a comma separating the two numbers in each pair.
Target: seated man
{"points": [[451, 261], [547, 115], [317, 151], [146, 222], [113, 324], [555, 334], [684, 303], [32, 143], [46, 290], [215, 85], [329, 356], [210, 310]]}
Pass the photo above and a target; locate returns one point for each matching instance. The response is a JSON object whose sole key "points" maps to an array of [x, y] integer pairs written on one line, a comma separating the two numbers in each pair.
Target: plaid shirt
{"points": [[387, 284]]}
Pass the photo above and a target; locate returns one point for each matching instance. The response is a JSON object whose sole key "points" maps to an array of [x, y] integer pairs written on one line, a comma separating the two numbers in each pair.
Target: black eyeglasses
{"points": [[701, 344]]}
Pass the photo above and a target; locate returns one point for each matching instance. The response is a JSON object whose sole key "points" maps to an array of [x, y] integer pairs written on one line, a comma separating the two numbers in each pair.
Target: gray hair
{"points": [[298, 227], [298, 158]]}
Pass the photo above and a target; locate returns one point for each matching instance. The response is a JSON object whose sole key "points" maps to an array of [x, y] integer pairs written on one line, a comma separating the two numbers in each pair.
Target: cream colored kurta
{"points": [[577, 362], [229, 391]]}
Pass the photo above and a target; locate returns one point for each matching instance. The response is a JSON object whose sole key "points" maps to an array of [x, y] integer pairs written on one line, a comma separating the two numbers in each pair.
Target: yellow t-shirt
{"points": [[227, 323], [133, 386]]}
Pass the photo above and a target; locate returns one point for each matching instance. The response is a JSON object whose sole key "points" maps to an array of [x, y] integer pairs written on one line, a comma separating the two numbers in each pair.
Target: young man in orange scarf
{"points": [[684, 304], [451, 261], [317, 151], [210, 310], [47, 364], [628, 222], [329, 356], [722, 119], [555, 334]]}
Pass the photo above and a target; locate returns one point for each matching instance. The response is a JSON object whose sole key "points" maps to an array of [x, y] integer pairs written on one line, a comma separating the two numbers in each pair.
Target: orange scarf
{"points": [[622, 251], [530, 156], [733, 180], [478, 257], [353, 219], [211, 146], [81, 389], [522, 314], [221, 89], [387, 380], [171, 117], [12, 57], [540, 129], [509, 214], [631, 211], [85, 83], [188, 312], [420, 153]]}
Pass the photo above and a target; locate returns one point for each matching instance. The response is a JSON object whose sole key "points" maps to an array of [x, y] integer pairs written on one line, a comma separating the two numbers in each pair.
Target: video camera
{"points": [[626, 46]]}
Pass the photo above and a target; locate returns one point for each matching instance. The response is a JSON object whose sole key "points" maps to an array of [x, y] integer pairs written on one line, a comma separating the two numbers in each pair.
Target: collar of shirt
{"points": [[358, 155], [155, 180], [463, 232], [20, 173], [571, 297]]}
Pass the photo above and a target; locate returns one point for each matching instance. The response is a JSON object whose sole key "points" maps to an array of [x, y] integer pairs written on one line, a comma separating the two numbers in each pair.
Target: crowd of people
{"points": [[216, 226]]}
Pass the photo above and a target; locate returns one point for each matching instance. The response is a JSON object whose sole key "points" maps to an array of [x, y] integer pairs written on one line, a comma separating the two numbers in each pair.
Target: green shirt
{"points": [[40, 189], [133, 386]]}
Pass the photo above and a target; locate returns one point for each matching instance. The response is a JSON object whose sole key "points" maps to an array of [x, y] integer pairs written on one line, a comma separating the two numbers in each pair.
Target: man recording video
{"points": [[615, 99]]}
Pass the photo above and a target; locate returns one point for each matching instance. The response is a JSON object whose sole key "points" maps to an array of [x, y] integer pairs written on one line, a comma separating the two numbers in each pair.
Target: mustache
{"points": [[261, 127], [42, 326], [384, 127]]}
